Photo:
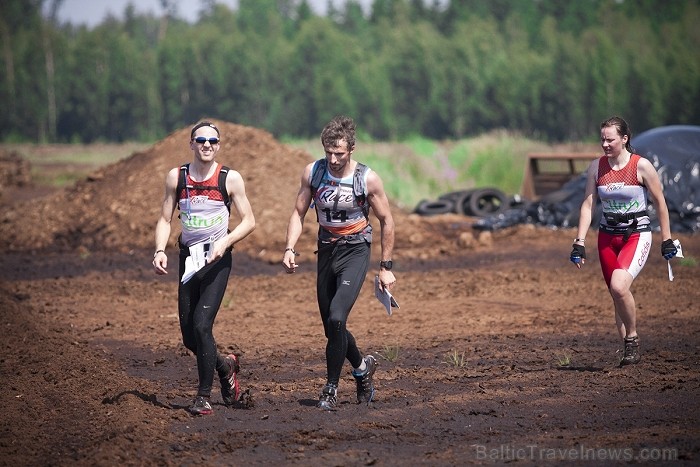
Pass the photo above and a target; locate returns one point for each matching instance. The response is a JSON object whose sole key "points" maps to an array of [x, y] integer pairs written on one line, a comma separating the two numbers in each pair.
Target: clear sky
{"points": [[92, 12]]}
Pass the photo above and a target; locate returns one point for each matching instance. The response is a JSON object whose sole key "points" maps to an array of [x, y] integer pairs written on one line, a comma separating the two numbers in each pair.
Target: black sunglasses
{"points": [[202, 140]]}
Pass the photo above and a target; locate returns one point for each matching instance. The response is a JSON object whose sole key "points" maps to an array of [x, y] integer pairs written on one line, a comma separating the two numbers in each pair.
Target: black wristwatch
{"points": [[386, 265]]}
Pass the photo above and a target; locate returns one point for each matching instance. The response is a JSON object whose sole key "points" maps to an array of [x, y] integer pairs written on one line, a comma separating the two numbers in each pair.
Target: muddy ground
{"points": [[501, 351]]}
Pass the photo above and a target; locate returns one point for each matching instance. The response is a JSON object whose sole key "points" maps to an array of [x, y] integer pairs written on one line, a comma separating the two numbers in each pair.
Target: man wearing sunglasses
{"points": [[342, 196], [204, 218]]}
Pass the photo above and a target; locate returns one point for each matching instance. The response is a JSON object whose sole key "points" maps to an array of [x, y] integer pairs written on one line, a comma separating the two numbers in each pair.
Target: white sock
{"points": [[362, 367]]}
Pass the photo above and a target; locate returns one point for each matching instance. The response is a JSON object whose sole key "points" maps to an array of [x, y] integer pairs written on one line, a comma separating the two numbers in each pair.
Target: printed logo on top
{"points": [[329, 194], [616, 206], [615, 186], [199, 199], [197, 222]]}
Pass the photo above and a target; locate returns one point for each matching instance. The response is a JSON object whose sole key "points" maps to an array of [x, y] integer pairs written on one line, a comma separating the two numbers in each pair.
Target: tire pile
{"points": [[479, 202]]}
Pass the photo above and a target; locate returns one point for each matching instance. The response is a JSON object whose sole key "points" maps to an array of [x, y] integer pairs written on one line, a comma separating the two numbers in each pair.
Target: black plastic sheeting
{"points": [[675, 153]]}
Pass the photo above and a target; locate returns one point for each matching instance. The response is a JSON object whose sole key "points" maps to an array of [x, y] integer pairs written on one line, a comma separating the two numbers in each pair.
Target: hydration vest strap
{"points": [[358, 182], [223, 173]]}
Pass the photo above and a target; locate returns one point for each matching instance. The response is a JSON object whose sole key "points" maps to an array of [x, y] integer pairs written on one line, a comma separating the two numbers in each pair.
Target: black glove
{"points": [[668, 249], [578, 253]]}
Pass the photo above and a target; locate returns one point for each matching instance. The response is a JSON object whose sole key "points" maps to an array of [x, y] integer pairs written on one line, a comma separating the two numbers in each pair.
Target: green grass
{"points": [[422, 147], [419, 168], [564, 360], [56, 179], [226, 302], [390, 353], [61, 165], [455, 359], [95, 155]]}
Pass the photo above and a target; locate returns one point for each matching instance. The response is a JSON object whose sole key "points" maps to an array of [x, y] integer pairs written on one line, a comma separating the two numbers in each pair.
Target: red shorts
{"points": [[615, 253]]}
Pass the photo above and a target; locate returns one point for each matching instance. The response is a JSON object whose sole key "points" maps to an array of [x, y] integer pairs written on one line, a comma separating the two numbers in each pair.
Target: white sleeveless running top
{"points": [[203, 213], [339, 214], [620, 192]]}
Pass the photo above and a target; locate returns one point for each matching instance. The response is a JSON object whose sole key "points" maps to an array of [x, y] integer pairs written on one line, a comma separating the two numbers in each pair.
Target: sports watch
{"points": [[386, 265]]}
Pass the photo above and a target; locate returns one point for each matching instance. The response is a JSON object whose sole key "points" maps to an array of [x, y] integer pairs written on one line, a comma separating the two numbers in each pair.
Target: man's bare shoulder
{"points": [[171, 178], [374, 182]]}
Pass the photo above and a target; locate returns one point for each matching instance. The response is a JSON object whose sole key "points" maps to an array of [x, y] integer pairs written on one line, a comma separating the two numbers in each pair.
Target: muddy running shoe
{"points": [[631, 355], [201, 406], [328, 397], [230, 389], [365, 388]]}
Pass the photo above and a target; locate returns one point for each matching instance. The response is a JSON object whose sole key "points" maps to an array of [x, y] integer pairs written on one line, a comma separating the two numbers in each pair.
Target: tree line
{"points": [[549, 69]]}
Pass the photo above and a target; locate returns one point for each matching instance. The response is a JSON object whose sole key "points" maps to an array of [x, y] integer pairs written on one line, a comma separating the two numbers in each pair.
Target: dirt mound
{"points": [[117, 206]]}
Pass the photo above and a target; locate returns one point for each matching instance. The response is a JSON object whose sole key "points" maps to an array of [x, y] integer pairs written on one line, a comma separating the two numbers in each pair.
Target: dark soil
{"points": [[505, 352]]}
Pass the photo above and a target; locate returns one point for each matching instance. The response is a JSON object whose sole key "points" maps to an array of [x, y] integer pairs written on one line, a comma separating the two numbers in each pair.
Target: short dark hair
{"points": [[341, 127], [200, 125]]}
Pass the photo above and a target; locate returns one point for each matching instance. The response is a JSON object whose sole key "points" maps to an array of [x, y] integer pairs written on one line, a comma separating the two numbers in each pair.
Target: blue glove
{"points": [[578, 253], [668, 249]]}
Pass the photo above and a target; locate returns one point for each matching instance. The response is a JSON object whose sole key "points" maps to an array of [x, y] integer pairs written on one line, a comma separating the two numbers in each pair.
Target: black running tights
{"points": [[198, 303], [341, 273]]}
